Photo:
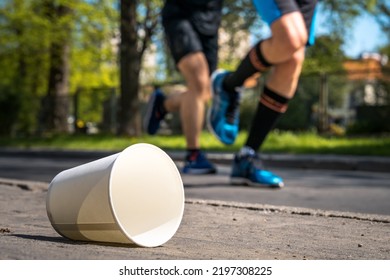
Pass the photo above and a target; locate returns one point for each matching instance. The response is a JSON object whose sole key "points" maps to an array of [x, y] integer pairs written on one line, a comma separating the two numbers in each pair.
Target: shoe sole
{"points": [[209, 126], [247, 182], [200, 172], [148, 114]]}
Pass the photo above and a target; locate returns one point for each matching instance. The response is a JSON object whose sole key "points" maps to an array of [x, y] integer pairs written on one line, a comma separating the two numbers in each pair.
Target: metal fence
{"points": [[322, 102]]}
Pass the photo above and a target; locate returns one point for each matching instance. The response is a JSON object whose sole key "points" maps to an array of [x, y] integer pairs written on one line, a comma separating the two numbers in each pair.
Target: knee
{"points": [[293, 41], [291, 69], [297, 39], [206, 96], [201, 88], [290, 34], [298, 58]]}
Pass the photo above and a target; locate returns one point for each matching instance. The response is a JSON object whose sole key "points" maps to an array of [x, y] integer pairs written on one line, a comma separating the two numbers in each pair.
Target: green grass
{"points": [[311, 143], [277, 142]]}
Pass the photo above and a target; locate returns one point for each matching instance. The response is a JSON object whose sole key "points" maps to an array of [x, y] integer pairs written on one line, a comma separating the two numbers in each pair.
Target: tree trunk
{"points": [[130, 64], [57, 99], [58, 90]]}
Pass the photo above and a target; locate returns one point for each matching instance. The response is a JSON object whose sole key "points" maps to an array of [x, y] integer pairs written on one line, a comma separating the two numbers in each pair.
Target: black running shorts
{"points": [[192, 26]]}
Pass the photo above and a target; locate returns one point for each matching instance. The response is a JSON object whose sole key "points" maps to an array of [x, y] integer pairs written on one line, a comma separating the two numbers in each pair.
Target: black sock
{"points": [[161, 108], [253, 62], [192, 154], [271, 106]]}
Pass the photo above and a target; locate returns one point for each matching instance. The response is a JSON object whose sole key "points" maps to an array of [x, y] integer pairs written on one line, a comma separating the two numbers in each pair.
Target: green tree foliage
{"points": [[22, 60], [324, 56], [95, 43], [31, 33], [382, 14], [237, 17], [138, 23], [340, 14], [83, 37]]}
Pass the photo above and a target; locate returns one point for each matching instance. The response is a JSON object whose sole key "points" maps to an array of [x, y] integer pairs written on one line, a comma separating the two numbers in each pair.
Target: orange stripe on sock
{"points": [[273, 104], [256, 62]]}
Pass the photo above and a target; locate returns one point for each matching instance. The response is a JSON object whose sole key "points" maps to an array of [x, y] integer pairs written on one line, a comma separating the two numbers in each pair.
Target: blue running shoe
{"points": [[223, 114], [155, 112], [248, 170], [198, 164]]}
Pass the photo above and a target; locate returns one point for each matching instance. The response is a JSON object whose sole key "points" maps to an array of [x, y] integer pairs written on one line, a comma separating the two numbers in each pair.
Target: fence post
{"points": [[323, 104], [76, 109], [113, 111]]}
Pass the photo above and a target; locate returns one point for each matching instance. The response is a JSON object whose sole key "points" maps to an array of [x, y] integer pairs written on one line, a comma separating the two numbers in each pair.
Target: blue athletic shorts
{"points": [[271, 10]]}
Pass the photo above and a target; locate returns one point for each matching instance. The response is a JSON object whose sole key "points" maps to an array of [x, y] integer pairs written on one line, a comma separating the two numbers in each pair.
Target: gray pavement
{"points": [[323, 162], [336, 190], [209, 230], [339, 189], [328, 161]]}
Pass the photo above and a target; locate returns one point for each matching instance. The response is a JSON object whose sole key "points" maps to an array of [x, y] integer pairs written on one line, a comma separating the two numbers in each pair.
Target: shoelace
{"points": [[232, 109], [256, 161]]}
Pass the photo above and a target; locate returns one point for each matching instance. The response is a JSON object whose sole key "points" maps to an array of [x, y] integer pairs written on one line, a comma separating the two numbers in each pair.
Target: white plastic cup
{"points": [[135, 196]]}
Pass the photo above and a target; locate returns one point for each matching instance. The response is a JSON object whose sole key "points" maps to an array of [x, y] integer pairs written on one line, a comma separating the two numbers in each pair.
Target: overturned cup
{"points": [[135, 196]]}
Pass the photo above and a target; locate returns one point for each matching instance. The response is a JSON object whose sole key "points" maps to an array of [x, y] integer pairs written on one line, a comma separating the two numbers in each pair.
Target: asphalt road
{"points": [[351, 191]]}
